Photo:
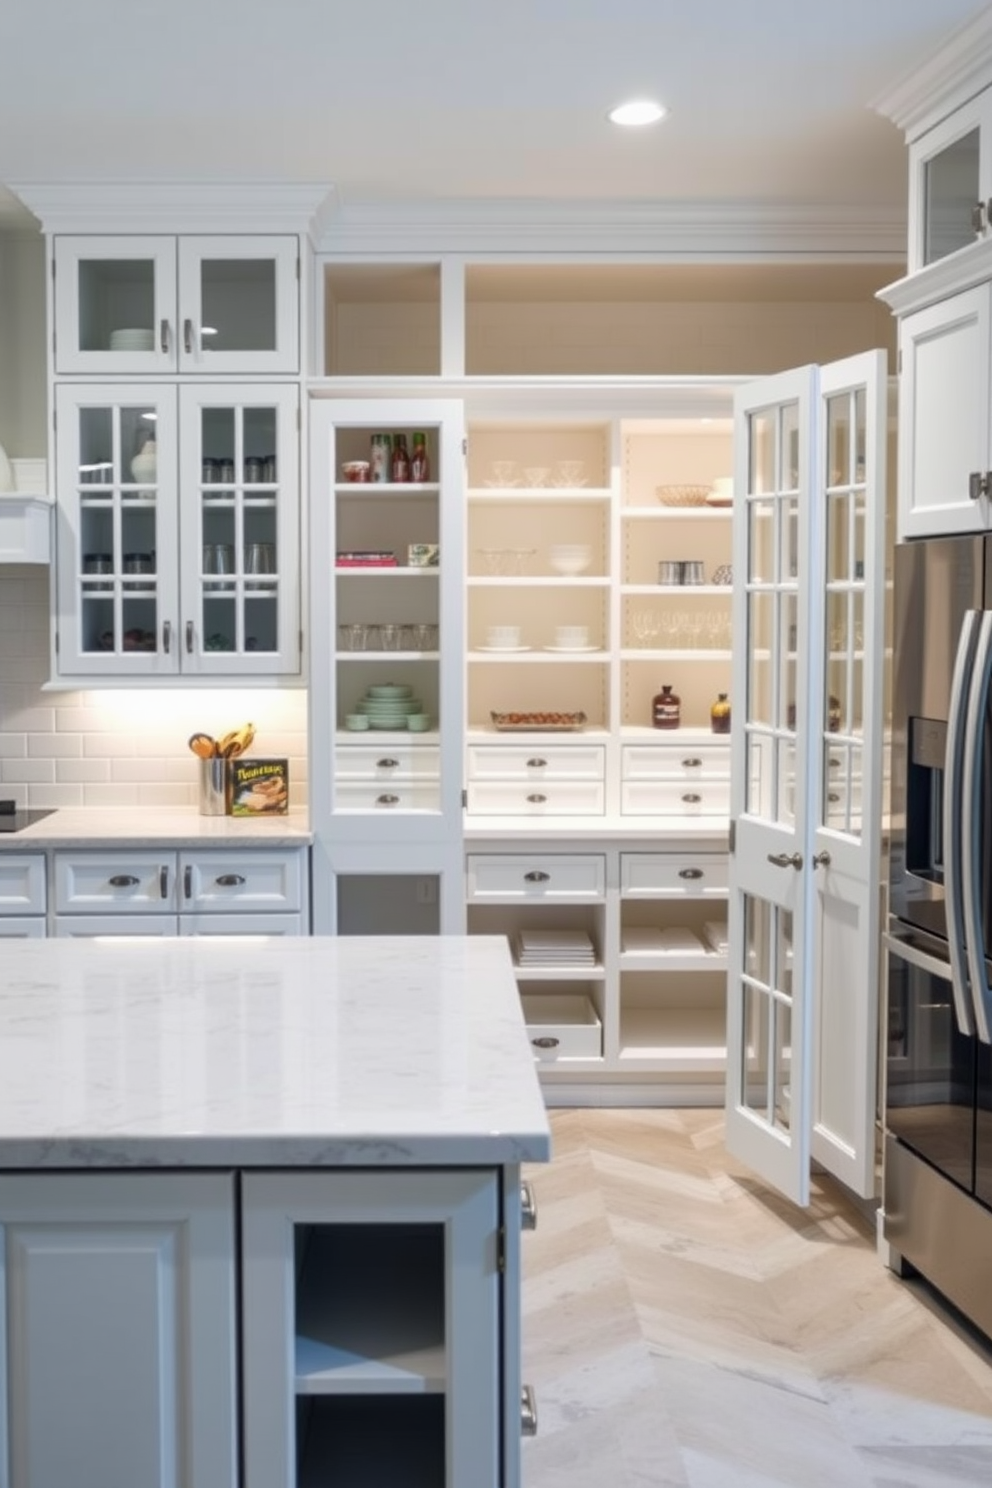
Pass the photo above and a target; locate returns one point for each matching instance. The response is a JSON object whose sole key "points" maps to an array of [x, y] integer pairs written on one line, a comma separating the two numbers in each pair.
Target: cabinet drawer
{"points": [[114, 882], [387, 795], [548, 878], [525, 762], [536, 798], [675, 762], [241, 882], [22, 927], [378, 763], [673, 876], [236, 924], [671, 798], [562, 1026], [84, 925], [22, 884]]}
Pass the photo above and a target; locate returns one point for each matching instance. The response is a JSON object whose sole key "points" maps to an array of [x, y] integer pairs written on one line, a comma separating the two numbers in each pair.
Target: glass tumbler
{"points": [[391, 637]]}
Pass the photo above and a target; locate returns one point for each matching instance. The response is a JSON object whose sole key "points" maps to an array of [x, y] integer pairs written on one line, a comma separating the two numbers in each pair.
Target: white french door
{"points": [[805, 801]]}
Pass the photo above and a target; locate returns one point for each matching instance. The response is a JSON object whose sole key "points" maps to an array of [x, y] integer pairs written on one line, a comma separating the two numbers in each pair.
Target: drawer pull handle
{"points": [[690, 873], [821, 860], [188, 335], [536, 875], [124, 881], [189, 638], [386, 800], [545, 1042], [786, 860], [528, 1411], [188, 881], [230, 880], [833, 797], [692, 799], [536, 763], [163, 332], [536, 800], [387, 764], [691, 763], [163, 882], [528, 1207], [166, 636]]}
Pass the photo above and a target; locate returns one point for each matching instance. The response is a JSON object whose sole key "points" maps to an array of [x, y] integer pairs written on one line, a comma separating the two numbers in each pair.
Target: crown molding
{"points": [[702, 231], [965, 269], [958, 70], [174, 206]]}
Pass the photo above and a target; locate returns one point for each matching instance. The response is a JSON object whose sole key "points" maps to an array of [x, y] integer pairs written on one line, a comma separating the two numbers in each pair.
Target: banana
{"points": [[236, 742]]}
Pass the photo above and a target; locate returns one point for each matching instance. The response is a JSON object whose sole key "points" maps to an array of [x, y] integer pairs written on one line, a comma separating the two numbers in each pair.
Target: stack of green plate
{"points": [[389, 705]]}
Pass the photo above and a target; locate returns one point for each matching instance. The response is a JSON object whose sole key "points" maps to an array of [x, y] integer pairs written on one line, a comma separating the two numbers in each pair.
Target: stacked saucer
{"points": [[133, 338]]}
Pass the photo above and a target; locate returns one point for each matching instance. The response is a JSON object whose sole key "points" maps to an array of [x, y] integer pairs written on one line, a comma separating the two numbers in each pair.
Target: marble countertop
{"points": [[317, 1051], [154, 826]]}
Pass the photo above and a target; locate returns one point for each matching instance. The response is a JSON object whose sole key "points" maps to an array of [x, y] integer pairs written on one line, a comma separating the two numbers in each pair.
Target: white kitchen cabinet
{"points": [[808, 723], [22, 887], [178, 531], [253, 891], [945, 416], [118, 1292], [950, 182], [372, 1329], [158, 305]]}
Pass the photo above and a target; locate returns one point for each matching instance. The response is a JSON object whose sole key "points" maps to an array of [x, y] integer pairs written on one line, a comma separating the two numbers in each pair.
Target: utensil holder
{"points": [[213, 787]]}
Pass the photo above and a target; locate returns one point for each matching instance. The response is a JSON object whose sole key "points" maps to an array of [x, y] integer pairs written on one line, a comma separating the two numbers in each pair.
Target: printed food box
{"points": [[259, 787]]}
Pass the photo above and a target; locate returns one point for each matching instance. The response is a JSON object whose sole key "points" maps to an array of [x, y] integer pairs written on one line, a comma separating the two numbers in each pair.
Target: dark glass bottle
{"points": [[666, 709], [401, 460], [720, 714], [420, 465]]}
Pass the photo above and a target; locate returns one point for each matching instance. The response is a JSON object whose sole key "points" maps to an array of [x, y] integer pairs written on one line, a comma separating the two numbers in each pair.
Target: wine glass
{"points": [[645, 625]]}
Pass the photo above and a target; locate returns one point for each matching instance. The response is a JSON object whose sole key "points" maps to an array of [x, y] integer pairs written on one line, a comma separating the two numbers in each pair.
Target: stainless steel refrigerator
{"points": [[938, 1106]]}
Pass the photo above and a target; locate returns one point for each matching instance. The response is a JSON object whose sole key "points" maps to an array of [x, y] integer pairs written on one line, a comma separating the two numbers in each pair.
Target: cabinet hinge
{"points": [[55, 412], [465, 448], [501, 1250], [732, 837], [56, 643], [299, 640], [53, 267], [297, 266], [464, 799]]}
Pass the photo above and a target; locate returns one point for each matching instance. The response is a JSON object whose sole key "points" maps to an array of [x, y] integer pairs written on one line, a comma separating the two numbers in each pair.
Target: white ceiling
{"points": [[389, 101]]}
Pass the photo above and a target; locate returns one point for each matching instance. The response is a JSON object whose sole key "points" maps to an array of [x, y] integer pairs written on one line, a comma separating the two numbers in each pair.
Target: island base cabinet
{"points": [[383, 1291], [117, 1303]]}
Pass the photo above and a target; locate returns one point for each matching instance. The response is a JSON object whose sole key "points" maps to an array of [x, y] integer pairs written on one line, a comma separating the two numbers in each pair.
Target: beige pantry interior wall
{"points": [[23, 372]]}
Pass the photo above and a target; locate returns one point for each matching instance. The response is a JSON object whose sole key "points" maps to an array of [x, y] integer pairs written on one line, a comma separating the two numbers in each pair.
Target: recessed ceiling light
{"points": [[638, 111]]}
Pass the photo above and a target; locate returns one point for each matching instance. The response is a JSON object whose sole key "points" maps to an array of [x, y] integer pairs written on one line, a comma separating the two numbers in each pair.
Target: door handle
{"points": [[189, 637], [164, 336], [166, 636], [230, 880], [972, 886], [188, 335], [786, 860], [188, 882], [953, 823], [821, 860], [536, 875]]}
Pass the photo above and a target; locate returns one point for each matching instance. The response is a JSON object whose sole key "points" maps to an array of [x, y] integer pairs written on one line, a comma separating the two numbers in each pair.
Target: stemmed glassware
{"points": [[645, 625]]}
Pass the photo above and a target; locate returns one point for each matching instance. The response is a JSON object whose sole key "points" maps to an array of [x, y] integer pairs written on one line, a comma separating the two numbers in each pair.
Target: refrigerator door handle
{"points": [[933, 965], [971, 794], [954, 846]]}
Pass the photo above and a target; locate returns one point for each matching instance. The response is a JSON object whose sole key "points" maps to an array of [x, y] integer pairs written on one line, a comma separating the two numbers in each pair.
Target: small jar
{"points": [[720, 714], [253, 470], [666, 709]]}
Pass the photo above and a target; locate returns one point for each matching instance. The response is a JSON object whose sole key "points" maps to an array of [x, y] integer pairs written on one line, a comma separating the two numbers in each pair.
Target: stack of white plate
{"points": [[555, 948], [650, 939], [716, 936], [133, 338]]}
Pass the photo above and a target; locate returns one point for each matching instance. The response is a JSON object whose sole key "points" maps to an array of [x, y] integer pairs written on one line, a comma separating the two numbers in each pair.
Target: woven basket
{"points": [[682, 495]]}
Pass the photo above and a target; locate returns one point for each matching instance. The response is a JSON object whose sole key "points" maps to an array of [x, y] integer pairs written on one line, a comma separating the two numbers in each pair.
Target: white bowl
{"points": [[570, 558]]}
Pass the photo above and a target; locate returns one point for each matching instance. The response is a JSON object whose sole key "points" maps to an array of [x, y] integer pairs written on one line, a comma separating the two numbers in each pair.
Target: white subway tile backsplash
{"points": [[124, 747]]}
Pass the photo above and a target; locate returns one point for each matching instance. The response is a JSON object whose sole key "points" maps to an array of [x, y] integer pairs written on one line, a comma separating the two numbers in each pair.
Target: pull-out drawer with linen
{"points": [[266, 885], [678, 779], [22, 896], [525, 779]]}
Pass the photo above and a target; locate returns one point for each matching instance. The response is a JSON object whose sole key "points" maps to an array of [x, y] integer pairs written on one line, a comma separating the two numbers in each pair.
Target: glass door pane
{"points": [[238, 300], [951, 189], [239, 304], [116, 304]]}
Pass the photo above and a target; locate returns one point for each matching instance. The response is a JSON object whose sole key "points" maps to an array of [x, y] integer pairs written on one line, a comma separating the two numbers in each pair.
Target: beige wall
{"points": [[23, 397]]}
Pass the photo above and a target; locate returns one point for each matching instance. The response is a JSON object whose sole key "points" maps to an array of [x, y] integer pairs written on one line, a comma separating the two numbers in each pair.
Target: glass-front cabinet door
{"points": [[950, 183], [117, 530], [239, 530], [215, 305], [806, 744]]}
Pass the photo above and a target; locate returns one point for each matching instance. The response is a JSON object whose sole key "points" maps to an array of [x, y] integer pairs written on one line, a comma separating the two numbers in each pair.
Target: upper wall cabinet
{"points": [[159, 305], [951, 183]]}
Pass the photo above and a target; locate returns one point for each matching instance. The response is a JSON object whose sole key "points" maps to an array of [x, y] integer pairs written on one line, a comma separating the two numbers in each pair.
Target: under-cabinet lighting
{"points": [[638, 111], [208, 330]]}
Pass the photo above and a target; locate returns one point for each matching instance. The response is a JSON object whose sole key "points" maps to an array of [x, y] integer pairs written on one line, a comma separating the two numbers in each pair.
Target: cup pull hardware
{"points": [[528, 1411], [537, 800], [978, 217], [124, 881], [230, 880], [786, 860], [166, 636], [545, 1042], [979, 484], [528, 1207], [691, 763], [692, 799], [163, 882], [387, 764], [163, 335], [536, 763], [536, 875], [386, 800], [188, 881], [690, 873], [821, 860], [188, 335]]}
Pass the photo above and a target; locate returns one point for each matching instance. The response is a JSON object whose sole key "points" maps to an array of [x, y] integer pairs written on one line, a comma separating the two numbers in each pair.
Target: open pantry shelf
{"points": [[675, 1040]]}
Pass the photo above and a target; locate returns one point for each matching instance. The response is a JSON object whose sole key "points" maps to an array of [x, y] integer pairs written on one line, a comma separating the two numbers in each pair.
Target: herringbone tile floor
{"points": [[684, 1327]]}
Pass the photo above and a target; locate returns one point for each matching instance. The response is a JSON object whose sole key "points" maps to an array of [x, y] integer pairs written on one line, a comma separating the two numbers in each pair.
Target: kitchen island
{"points": [[260, 1205]]}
